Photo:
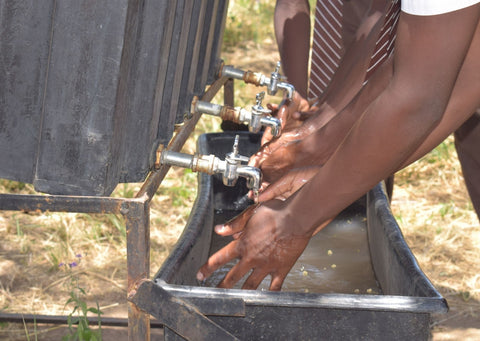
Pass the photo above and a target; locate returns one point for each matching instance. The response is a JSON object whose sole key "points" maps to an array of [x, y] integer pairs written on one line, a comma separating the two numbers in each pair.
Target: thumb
{"points": [[274, 191], [302, 115], [237, 224]]}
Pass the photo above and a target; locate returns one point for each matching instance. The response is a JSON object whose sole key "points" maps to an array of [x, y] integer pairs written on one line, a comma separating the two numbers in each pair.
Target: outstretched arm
{"points": [[292, 30], [464, 101], [429, 54]]}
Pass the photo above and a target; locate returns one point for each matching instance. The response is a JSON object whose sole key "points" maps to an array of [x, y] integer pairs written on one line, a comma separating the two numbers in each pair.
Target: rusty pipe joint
{"points": [[231, 168], [227, 113], [273, 83], [209, 164], [255, 119]]}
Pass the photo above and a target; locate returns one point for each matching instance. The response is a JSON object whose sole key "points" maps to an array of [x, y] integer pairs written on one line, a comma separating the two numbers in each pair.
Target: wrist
{"points": [[311, 151], [302, 219]]}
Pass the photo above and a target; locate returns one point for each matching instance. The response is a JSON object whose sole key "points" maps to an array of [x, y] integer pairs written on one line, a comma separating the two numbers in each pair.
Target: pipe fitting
{"points": [[255, 119], [273, 123], [231, 168], [273, 83], [253, 176]]}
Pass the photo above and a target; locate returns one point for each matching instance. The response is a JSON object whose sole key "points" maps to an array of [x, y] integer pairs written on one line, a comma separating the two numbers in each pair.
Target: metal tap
{"points": [[231, 168], [273, 83], [255, 119]]}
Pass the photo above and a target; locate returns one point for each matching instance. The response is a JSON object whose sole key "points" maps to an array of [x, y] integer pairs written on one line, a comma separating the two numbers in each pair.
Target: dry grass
{"points": [[433, 208]]}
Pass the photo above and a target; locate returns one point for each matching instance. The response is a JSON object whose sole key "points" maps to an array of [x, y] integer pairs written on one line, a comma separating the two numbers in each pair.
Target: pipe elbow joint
{"points": [[274, 124], [288, 88], [253, 176]]}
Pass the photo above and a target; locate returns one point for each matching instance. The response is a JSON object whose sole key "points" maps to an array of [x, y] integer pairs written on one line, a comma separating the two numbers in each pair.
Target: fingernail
{"points": [[220, 228], [200, 276]]}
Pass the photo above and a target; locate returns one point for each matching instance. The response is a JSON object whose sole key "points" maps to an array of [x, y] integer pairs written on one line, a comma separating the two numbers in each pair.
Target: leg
{"points": [[389, 182], [467, 143]]}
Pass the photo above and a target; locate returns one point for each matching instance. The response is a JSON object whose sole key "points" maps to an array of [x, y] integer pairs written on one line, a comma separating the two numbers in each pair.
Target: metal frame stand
{"points": [[136, 212]]}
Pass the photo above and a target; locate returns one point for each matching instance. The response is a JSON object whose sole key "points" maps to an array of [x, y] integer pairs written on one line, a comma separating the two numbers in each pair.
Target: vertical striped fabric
{"points": [[328, 49], [386, 39]]}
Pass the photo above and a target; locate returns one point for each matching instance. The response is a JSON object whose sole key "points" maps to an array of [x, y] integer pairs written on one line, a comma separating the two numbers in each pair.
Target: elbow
{"points": [[425, 107]]}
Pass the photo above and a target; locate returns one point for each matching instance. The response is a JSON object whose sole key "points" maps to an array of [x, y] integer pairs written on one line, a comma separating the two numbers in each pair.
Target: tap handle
{"points": [[259, 98], [257, 108], [277, 68], [234, 156], [235, 144]]}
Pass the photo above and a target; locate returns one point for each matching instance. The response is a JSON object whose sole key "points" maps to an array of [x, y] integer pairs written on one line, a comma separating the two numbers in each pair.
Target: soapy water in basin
{"points": [[336, 260]]}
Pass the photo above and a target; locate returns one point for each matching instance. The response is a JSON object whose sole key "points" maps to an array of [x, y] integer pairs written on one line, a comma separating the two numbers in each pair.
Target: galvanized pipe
{"points": [[176, 159], [208, 108], [232, 72], [57, 319], [273, 83]]}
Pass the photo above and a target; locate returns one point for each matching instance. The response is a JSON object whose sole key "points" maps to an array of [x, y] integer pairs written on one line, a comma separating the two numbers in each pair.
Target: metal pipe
{"points": [[273, 83], [155, 177], [57, 319], [255, 119], [137, 223], [208, 108], [230, 168], [176, 159], [231, 72]]}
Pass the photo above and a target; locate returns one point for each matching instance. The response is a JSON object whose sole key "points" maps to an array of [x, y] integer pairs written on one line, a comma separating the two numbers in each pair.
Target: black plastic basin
{"points": [[391, 299]]}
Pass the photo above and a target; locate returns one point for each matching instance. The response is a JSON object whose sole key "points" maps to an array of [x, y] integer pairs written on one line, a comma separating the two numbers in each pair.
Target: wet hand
{"points": [[276, 157], [288, 184], [266, 242], [291, 114]]}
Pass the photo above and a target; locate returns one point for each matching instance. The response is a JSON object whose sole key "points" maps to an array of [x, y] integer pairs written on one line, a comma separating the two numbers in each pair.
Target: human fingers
{"points": [[267, 136], [274, 191], [263, 153], [282, 115], [237, 224], [273, 107], [255, 278], [218, 259], [320, 227], [263, 186], [234, 275], [288, 184], [302, 115], [278, 279]]}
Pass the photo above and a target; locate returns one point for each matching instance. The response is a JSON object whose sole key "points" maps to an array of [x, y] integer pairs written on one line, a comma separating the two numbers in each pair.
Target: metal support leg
{"points": [[137, 221], [228, 92]]}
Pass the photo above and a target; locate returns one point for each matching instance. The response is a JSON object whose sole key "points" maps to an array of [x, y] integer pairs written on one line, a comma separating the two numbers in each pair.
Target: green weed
{"points": [[78, 325]]}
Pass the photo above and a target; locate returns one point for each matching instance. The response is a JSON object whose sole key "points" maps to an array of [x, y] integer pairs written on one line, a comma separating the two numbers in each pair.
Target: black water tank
{"points": [[88, 89]]}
